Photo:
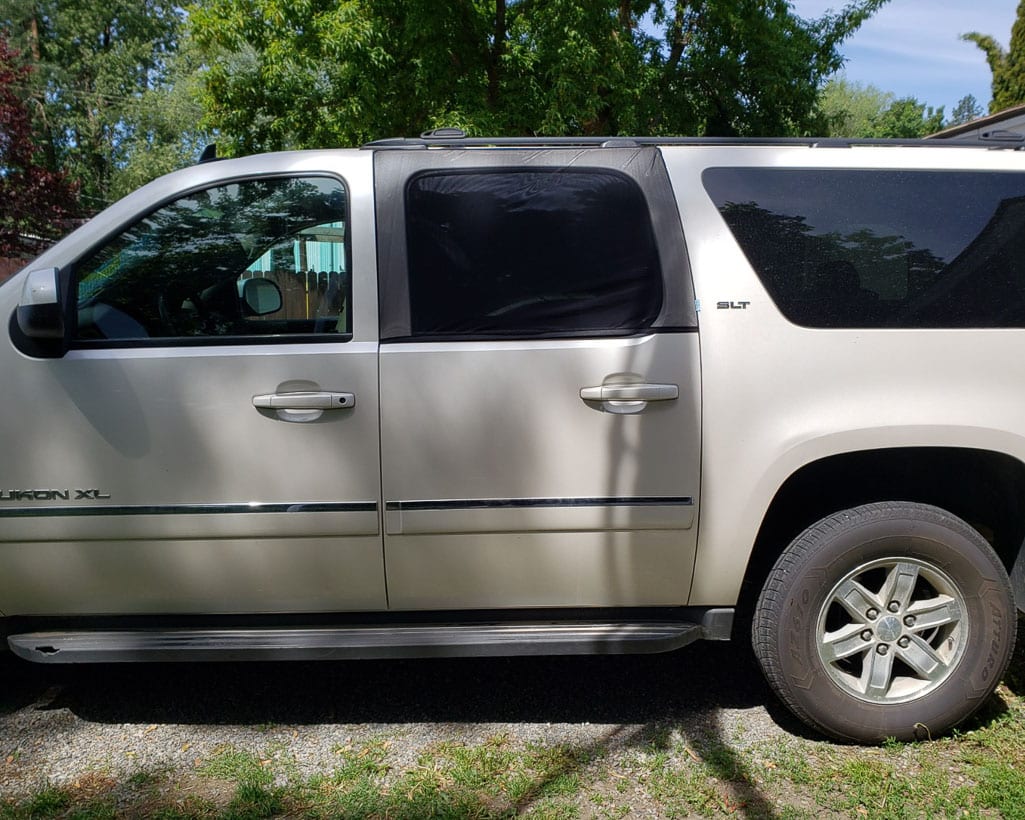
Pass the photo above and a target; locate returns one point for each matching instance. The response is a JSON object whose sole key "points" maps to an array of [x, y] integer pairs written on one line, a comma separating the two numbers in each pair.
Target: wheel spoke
{"points": [[892, 629], [900, 584], [857, 600], [935, 612], [878, 674], [923, 659], [843, 643]]}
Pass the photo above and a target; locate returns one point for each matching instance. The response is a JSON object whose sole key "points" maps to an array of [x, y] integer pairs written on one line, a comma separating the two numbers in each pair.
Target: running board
{"points": [[355, 642]]}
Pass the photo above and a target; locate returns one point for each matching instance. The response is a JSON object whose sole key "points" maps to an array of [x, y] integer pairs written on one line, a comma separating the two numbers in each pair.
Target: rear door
{"points": [[539, 380]]}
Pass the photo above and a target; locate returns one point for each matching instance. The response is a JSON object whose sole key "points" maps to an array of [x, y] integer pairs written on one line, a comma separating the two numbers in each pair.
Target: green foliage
{"points": [[103, 87], [160, 127], [1007, 66], [907, 118], [853, 110], [120, 92], [966, 110], [339, 72], [34, 201]]}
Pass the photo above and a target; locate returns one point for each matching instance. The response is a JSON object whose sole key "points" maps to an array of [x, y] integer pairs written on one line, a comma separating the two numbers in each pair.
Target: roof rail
{"points": [[455, 138]]}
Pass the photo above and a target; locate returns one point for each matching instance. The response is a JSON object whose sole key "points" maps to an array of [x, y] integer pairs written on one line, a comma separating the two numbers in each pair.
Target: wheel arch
{"points": [[983, 487]]}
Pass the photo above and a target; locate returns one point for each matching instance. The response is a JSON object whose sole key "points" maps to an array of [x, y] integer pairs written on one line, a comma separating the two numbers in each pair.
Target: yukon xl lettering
{"points": [[456, 397]]}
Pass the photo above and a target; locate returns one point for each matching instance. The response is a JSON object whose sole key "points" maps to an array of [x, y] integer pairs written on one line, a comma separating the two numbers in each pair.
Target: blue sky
{"points": [[911, 47]]}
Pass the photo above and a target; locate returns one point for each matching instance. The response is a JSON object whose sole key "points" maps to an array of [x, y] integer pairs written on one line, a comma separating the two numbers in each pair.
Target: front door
{"points": [[210, 441]]}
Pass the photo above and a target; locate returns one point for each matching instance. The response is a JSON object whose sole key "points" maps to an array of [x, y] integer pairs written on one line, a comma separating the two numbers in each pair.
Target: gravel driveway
{"points": [[59, 724]]}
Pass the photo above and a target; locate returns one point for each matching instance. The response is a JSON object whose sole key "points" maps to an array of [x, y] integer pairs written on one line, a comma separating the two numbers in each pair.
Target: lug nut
{"points": [[894, 606], [866, 635], [909, 620], [882, 649], [904, 642], [872, 613]]}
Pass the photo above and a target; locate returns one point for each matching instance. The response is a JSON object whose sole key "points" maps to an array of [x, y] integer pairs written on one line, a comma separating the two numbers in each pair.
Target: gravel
{"points": [[59, 724]]}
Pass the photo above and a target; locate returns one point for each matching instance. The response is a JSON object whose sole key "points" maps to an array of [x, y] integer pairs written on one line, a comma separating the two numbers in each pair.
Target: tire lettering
{"points": [[796, 632], [994, 647]]}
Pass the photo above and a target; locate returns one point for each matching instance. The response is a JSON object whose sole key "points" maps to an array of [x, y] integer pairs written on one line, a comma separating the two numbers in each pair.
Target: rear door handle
{"points": [[305, 400], [631, 392]]}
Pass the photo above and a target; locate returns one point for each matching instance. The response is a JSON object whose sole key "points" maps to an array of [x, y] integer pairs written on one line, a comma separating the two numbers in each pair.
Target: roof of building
{"points": [[983, 124]]}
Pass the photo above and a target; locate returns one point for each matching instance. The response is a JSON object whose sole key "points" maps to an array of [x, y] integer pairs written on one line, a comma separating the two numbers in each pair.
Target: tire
{"points": [[891, 620]]}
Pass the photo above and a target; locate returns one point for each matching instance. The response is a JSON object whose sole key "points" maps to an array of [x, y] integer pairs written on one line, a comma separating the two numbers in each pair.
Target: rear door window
{"points": [[530, 253]]}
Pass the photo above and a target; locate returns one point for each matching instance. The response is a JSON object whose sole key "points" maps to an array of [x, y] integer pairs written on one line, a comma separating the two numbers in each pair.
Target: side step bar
{"points": [[355, 642]]}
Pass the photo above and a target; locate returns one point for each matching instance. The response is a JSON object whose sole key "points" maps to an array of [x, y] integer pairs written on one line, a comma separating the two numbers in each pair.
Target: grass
{"points": [[977, 773], [664, 771], [974, 774]]}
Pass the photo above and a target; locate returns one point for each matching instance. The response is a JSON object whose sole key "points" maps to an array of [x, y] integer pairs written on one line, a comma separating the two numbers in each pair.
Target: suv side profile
{"points": [[450, 396]]}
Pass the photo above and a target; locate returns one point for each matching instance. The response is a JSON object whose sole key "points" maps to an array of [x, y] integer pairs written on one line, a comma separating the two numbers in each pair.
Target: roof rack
{"points": [[455, 138]]}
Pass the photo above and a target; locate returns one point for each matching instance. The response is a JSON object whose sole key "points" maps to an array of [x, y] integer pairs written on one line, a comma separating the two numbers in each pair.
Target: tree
{"points": [[907, 118], [34, 201], [340, 72], [850, 109], [93, 64], [1007, 66], [859, 111], [966, 110], [160, 129]]}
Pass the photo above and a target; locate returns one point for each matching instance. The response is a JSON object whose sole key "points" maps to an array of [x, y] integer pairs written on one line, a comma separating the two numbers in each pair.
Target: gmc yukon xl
{"points": [[447, 396]]}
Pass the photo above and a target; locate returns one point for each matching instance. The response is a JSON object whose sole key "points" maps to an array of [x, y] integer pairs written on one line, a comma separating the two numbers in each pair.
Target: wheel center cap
{"points": [[889, 628]]}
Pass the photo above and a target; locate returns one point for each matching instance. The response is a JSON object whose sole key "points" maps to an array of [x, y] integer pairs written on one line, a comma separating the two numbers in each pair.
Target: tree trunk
{"points": [[495, 57]]}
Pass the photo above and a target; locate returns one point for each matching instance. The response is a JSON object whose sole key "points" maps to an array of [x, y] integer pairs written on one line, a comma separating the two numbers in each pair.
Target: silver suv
{"points": [[450, 397]]}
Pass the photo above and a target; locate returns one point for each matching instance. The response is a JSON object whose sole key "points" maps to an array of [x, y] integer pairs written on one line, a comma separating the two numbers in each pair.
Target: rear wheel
{"points": [[887, 620]]}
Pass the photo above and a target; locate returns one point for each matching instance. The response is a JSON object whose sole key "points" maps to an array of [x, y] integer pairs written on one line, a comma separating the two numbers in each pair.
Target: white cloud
{"points": [[912, 47]]}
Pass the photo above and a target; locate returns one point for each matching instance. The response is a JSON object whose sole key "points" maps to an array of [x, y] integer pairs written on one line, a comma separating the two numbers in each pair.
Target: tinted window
{"points": [[881, 248], [530, 253], [256, 258]]}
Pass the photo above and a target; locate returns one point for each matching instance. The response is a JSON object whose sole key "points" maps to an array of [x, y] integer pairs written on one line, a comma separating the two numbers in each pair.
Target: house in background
{"points": [[1007, 126]]}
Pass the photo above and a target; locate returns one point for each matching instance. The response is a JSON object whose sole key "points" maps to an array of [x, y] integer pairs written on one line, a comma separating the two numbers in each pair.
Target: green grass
{"points": [[979, 772], [975, 774]]}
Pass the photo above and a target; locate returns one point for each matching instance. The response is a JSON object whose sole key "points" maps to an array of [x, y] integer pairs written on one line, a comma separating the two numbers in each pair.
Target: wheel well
{"points": [[984, 488]]}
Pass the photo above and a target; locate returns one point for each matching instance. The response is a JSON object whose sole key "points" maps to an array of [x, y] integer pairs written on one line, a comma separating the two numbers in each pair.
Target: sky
{"points": [[912, 47]]}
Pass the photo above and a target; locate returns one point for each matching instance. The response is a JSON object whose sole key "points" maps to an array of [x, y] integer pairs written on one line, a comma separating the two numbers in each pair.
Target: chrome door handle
{"points": [[305, 400], [631, 392]]}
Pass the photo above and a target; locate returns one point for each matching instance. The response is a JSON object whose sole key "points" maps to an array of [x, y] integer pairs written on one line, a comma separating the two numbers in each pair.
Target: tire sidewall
{"points": [[988, 644]]}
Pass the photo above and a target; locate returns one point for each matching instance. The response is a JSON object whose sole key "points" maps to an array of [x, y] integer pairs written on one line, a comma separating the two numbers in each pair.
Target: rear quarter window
{"points": [[881, 248]]}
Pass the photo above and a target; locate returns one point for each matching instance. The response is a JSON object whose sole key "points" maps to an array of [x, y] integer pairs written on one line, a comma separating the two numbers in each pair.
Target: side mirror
{"points": [[40, 313], [259, 296]]}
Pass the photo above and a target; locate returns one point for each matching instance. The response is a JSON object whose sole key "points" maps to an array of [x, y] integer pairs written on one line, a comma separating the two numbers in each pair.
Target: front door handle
{"points": [[305, 400], [631, 392]]}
